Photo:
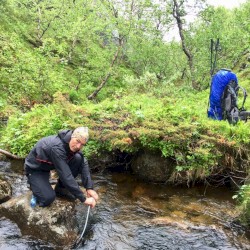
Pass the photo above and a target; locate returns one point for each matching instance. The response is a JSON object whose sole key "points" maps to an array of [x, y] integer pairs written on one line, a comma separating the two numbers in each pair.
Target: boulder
{"points": [[5, 190], [55, 224], [152, 167]]}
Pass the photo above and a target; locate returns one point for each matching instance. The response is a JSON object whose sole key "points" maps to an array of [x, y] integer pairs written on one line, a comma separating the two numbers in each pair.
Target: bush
{"points": [[243, 198]]}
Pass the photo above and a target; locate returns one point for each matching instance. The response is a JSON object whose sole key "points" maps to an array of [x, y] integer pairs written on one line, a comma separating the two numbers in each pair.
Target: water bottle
{"points": [[33, 201]]}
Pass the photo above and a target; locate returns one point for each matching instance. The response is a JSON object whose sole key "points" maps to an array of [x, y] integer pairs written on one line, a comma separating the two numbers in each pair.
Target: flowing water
{"points": [[135, 215]]}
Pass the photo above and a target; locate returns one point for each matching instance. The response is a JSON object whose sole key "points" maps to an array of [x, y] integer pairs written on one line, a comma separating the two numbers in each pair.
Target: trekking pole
{"points": [[211, 69], [215, 47], [211, 56], [78, 241]]}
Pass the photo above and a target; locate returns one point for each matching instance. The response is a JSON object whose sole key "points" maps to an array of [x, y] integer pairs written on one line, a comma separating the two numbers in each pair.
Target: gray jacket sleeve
{"points": [[59, 160]]}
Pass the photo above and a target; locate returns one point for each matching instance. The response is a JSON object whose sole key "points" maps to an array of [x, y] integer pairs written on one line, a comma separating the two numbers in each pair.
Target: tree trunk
{"points": [[104, 81], [177, 15]]}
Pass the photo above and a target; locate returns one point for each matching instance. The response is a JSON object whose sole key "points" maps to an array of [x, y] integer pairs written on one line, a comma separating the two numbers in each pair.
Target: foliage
{"points": [[24, 129], [173, 124], [68, 46], [243, 198]]}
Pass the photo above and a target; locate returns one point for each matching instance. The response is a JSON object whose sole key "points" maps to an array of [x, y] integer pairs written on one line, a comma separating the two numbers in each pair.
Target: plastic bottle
{"points": [[33, 201]]}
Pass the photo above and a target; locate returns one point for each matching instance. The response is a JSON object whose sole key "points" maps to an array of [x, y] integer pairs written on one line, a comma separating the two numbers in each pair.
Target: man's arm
{"points": [[65, 174]]}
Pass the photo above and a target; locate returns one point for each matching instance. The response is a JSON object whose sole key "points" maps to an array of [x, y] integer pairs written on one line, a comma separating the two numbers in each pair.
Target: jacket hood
{"points": [[65, 135]]}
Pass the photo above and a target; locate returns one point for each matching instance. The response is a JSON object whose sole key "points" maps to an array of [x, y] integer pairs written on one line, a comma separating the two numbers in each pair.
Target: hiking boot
{"points": [[64, 193], [33, 201]]}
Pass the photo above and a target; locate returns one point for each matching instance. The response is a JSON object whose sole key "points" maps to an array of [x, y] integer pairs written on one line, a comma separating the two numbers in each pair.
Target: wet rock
{"points": [[138, 191], [5, 190], [55, 224], [152, 167], [182, 224], [100, 163]]}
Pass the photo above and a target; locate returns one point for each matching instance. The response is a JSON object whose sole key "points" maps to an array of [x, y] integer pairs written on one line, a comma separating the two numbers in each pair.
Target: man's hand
{"points": [[90, 201], [92, 193]]}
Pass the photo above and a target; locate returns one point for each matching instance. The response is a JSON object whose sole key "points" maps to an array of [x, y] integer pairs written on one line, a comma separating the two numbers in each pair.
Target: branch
{"points": [[104, 81], [49, 22], [10, 155], [176, 12]]}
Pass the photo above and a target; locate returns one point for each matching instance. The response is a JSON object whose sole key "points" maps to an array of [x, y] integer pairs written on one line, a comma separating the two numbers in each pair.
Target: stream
{"points": [[135, 215]]}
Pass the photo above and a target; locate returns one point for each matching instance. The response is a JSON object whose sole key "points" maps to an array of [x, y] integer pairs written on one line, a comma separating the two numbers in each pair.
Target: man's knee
{"points": [[75, 163], [48, 199], [77, 159]]}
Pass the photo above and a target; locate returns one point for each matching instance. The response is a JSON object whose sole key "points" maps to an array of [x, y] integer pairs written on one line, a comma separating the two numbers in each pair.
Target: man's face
{"points": [[76, 144]]}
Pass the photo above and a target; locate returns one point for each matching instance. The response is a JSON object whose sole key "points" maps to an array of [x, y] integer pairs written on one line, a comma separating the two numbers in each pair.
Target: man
{"points": [[62, 153]]}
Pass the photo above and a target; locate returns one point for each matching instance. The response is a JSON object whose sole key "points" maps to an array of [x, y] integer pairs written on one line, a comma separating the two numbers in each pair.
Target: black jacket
{"points": [[53, 152]]}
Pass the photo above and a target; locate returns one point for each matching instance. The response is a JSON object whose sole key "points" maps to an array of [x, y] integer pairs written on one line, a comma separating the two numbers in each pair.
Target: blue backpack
{"points": [[223, 99]]}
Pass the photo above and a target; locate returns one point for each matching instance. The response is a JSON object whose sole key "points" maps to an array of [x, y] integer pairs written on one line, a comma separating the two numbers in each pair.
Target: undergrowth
{"points": [[175, 125]]}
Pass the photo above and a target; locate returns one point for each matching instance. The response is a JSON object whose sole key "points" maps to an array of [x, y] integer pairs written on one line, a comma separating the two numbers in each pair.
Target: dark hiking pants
{"points": [[40, 185]]}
